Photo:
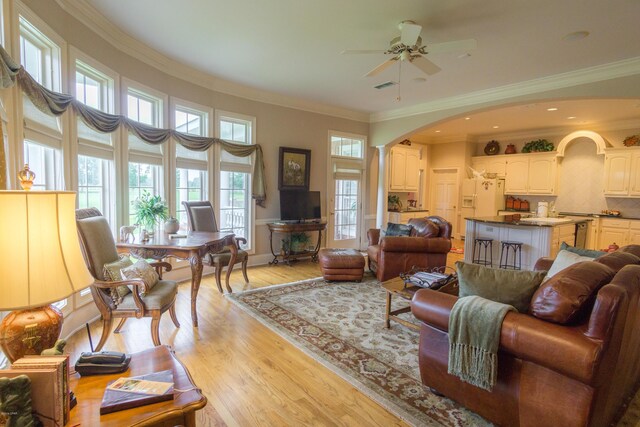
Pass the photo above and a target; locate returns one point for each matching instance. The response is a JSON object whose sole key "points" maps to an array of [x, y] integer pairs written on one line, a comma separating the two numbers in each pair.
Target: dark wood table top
{"points": [[193, 240], [89, 391]]}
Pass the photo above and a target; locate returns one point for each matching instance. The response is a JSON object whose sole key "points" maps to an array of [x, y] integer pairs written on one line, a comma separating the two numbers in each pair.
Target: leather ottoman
{"points": [[341, 264]]}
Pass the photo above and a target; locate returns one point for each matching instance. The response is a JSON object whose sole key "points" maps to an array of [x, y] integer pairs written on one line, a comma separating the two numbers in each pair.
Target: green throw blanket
{"points": [[474, 337]]}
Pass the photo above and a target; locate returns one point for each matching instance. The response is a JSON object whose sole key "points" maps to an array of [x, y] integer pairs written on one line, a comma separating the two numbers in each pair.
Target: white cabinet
{"points": [[404, 174], [404, 217], [490, 164], [621, 174], [619, 231], [532, 174]]}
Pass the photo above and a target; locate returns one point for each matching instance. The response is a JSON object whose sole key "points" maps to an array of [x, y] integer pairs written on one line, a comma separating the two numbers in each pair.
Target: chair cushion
{"points": [[617, 260], [160, 296], [112, 272], [632, 249], [424, 227], [203, 219], [563, 297], [141, 270], [100, 246], [513, 287], [563, 260], [582, 252], [223, 258], [398, 229]]}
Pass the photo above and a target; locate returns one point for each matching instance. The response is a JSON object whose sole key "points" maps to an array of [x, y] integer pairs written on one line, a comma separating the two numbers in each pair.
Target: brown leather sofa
{"points": [[581, 373], [427, 247]]}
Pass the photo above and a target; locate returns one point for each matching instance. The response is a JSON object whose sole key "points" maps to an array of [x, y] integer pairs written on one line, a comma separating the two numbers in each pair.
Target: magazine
{"points": [[133, 385]]}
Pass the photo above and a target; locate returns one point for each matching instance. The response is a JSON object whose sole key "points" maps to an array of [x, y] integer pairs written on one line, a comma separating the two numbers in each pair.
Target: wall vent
{"points": [[385, 85]]}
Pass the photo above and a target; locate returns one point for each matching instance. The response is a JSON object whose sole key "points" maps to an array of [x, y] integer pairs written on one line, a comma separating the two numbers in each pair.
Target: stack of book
{"points": [[131, 392], [49, 386]]}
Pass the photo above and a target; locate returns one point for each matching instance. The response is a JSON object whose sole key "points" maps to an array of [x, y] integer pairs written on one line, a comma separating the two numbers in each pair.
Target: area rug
{"points": [[341, 325]]}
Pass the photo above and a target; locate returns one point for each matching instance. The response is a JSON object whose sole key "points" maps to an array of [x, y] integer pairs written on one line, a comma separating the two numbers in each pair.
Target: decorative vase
{"points": [[171, 226], [511, 149]]}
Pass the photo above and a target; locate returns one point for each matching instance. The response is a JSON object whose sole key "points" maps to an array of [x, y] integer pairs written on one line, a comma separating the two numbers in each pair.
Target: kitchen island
{"points": [[540, 237]]}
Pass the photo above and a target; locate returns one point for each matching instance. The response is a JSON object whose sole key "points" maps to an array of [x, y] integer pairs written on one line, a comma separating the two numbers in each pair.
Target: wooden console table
{"points": [[179, 411], [295, 227]]}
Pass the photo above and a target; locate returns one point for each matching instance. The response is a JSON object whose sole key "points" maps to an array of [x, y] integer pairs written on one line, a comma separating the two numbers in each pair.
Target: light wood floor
{"points": [[250, 375]]}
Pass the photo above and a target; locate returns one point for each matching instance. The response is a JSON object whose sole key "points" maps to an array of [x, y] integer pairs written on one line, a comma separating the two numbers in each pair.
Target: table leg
{"points": [[196, 276], [387, 323], [234, 255]]}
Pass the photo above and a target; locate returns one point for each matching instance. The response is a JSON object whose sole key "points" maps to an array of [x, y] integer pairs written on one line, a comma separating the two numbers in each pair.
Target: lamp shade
{"points": [[40, 257]]}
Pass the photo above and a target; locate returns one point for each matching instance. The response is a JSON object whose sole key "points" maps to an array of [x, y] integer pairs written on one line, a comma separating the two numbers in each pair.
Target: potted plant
{"points": [[393, 202], [150, 210], [299, 242], [538, 145]]}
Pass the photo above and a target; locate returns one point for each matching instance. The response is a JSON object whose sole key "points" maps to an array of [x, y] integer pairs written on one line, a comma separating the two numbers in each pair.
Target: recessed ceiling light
{"points": [[571, 117], [552, 109], [419, 80], [467, 118], [438, 131], [496, 127], [464, 55], [577, 35]]}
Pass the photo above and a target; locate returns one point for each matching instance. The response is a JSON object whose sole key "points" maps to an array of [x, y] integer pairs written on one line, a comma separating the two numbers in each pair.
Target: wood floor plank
{"points": [[250, 375]]}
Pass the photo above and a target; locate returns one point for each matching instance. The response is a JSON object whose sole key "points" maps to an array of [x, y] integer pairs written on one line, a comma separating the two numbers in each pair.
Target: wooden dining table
{"points": [[192, 247]]}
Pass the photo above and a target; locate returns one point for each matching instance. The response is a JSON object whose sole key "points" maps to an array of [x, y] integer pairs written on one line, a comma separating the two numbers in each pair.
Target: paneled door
{"points": [[344, 220], [444, 195]]}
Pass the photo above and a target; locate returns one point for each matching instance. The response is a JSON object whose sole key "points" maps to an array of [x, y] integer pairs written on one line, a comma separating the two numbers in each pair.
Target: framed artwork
{"points": [[294, 168]]}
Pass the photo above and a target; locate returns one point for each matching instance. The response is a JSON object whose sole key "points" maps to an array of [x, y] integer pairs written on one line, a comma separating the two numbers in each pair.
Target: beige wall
{"points": [[276, 126]]}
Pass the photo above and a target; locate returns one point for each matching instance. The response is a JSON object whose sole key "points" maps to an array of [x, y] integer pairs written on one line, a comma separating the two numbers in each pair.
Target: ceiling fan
{"points": [[408, 47]]}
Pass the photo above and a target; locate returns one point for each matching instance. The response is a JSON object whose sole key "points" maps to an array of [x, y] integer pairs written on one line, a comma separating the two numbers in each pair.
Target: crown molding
{"points": [[94, 20], [626, 67]]}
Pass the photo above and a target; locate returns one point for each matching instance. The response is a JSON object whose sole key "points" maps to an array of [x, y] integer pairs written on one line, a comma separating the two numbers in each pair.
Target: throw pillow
{"points": [[563, 260], [398, 229], [582, 252], [565, 297], [141, 270], [423, 227], [112, 273], [513, 287]]}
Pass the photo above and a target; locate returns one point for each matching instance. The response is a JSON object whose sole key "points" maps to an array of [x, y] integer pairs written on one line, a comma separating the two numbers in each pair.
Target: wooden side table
{"points": [[89, 391], [396, 287], [295, 227]]}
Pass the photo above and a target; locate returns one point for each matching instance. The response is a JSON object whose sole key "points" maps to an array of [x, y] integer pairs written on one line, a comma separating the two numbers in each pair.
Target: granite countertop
{"points": [[598, 215], [517, 220], [411, 210]]}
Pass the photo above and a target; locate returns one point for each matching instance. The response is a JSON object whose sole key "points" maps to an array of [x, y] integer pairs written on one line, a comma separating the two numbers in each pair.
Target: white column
{"points": [[383, 179]]}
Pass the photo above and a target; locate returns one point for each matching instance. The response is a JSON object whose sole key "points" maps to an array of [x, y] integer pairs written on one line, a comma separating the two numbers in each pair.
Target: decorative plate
{"points": [[492, 148]]}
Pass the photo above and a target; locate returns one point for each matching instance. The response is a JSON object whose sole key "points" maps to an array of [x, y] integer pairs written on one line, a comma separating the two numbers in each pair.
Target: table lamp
{"points": [[40, 263]]}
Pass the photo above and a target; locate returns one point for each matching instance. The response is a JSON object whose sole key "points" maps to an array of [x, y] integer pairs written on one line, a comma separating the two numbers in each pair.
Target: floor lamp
{"points": [[40, 263]]}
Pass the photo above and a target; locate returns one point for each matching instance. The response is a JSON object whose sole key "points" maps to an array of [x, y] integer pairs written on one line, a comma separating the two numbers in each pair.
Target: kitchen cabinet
{"points": [[562, 233], [490, 164], [404, 169], [621, 174], [531, 174], [404, 217], [619, 231]]}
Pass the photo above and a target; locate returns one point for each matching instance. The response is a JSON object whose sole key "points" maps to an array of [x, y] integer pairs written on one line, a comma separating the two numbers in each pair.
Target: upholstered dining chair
{"points": [[201, 217], [99, 249]]}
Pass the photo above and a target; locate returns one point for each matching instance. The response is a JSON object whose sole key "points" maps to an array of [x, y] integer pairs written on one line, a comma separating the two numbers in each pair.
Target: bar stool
{"points": [[480, 249], [516, 248]]}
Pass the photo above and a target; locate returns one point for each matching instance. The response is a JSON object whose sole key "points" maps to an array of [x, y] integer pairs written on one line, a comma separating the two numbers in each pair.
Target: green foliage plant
{"points": [[150, 210], [538, 145]]}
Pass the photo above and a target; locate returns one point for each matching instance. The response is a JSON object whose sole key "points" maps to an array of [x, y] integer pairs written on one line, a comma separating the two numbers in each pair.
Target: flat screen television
{"points": [[300, 205]]}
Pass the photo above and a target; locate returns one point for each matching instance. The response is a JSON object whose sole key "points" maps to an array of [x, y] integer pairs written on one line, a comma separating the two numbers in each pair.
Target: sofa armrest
{"points": [[564, 349], [543, 264], [373, 234], [415, 244]]}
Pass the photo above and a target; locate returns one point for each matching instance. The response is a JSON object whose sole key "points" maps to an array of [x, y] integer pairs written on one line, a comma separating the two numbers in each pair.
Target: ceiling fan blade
{"points": [[380, 68], [355, 51], [410, 33], [425, 65], [454, 46]]}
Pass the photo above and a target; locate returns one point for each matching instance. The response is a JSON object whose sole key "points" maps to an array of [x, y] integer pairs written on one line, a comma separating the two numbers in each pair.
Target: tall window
{"points": [[93, 176], [145, 160], [39, 55], [46, 162], [236, 215], [346, 147], [191, 172]]}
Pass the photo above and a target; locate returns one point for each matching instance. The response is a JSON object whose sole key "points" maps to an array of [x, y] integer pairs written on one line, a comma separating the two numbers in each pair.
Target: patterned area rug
{"points": [[341, 325]]}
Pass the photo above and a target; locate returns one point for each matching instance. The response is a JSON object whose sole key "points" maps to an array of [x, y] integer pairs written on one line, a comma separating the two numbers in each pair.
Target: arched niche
{"points": [[595, 137]]}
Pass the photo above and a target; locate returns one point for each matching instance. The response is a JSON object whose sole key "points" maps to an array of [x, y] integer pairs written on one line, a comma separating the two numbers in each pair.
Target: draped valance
{"points": [[55, 103]]}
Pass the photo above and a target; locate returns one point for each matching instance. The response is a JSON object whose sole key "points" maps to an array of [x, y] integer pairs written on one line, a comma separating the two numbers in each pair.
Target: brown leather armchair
{"points": [[581, 373], [427, 247]]}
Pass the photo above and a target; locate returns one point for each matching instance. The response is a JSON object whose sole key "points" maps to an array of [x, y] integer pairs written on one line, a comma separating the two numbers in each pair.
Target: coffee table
{"points": [[396, 287]]}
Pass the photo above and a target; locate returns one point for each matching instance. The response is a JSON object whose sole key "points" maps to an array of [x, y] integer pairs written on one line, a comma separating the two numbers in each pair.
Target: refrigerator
{"points": [[481, 197]]}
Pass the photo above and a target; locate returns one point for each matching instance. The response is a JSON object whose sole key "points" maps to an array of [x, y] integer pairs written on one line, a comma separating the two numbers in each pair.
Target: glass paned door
{"points": [[345, 217]]}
